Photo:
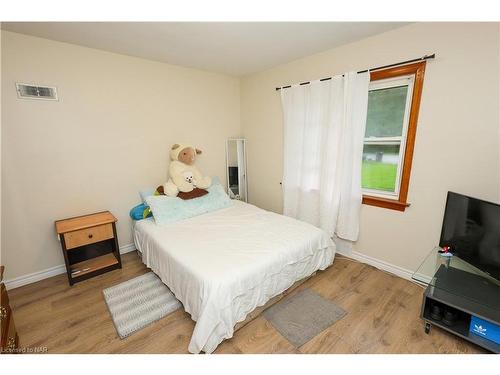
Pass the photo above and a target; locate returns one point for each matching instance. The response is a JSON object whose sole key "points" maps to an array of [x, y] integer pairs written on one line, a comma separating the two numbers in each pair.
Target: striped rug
{"points": [[138, 302]]}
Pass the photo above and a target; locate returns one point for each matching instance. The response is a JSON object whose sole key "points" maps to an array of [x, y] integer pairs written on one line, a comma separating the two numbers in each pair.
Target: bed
{"points": [[225, 264]]}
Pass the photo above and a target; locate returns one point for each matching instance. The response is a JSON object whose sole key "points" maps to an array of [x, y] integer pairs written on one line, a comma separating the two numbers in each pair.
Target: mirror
{"points": [[236, 169]]}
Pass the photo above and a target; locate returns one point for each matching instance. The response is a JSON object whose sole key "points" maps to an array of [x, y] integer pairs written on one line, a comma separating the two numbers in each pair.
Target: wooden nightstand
{"points": [[89, 245]]}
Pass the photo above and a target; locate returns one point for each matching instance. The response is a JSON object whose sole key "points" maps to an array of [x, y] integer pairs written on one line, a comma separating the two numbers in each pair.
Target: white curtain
{"points": [[323, 148]]}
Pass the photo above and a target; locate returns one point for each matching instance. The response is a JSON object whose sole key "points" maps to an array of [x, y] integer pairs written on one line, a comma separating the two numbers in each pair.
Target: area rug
{"points": [[303, 316], [138, 302]]}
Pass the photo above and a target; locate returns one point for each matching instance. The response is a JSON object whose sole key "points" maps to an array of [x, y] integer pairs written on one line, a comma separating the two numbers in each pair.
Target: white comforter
{"points": [[224, 264]]}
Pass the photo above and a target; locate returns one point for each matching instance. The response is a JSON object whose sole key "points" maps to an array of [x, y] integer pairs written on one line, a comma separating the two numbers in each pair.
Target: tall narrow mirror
{"points": [[236, 169]]}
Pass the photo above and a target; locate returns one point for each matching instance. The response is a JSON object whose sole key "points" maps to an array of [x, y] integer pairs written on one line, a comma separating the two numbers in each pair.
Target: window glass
{"points": [[380, 167], [386, 111]]}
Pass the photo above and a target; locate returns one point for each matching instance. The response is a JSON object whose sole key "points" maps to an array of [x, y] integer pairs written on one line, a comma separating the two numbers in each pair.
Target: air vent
{"points": [[25, 91]]}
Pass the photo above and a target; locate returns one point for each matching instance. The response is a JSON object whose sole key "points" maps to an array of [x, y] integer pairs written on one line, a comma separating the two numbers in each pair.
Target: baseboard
{"points": [[49, 272], [124, 249], [34, 277], [380, 264]]}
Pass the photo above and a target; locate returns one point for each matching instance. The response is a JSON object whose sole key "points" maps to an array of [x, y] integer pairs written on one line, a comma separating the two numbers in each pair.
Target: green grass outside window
{"points": [[379, 176]]}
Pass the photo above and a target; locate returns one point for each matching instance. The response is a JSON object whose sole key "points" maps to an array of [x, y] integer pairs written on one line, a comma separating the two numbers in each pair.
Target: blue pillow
{"points": [[141, 211], [168, 210]]}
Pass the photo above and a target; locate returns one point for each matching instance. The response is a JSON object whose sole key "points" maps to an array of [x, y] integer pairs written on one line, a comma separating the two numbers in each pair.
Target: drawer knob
{"points": [[91, 235]]}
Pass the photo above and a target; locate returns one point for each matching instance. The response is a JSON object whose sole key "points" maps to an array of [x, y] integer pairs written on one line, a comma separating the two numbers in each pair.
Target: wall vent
{"points": [[28, 91]]}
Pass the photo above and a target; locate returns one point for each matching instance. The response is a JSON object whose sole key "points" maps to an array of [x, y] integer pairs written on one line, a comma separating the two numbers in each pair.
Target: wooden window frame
{"points": [[418, 70]]}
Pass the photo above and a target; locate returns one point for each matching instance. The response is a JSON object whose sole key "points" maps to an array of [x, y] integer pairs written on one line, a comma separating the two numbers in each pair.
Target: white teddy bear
{"points": [[184, 176], [188, 176]]}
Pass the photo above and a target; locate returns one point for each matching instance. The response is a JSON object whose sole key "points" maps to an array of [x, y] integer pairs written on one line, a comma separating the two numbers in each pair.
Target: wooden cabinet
{"points": [[9, 340], [89, 244]]}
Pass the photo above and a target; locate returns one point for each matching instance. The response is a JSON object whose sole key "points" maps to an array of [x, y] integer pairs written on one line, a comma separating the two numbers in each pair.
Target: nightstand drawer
{"points": [[88, 236]]}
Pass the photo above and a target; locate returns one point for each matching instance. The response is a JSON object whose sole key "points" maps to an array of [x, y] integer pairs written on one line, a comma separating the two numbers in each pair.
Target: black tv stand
{"points": [[466, 294]]}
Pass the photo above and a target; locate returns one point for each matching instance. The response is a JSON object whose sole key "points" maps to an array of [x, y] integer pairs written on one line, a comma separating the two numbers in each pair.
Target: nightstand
{"points": [[89, 244]]}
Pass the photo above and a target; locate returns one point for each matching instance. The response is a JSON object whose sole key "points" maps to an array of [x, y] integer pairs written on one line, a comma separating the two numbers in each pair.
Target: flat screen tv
{"points": [[471, 228]]}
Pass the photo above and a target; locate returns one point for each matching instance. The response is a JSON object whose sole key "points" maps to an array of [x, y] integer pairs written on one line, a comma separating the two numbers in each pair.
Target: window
{"points": [[389, 103], [391, 124]]}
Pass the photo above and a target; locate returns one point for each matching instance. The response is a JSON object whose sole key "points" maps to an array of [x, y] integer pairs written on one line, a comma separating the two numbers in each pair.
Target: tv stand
{"points": [[454, 285]]}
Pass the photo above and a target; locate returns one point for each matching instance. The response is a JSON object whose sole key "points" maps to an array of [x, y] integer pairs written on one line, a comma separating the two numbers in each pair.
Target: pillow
{"points": [[167, 210], [141, 211], [215, 180], [146, 193]]}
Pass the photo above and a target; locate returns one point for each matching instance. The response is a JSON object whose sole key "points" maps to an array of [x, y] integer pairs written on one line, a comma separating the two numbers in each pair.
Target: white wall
{"points": [[457, 146], [107, 137]]}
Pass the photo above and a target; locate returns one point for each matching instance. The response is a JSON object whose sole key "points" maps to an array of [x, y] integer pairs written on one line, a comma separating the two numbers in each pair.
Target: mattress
{"points": [[224, 264]]}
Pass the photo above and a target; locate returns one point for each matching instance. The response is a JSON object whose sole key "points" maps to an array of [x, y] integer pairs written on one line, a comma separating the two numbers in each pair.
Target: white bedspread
{"points": [[224, 264]]}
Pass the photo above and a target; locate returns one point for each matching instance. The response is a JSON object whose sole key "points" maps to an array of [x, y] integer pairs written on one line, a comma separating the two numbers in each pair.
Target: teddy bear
{"points": [[183, 175]]}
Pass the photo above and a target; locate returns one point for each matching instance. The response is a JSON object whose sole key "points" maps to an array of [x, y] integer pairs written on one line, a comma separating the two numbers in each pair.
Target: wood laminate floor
{"points": [[383, 317]]}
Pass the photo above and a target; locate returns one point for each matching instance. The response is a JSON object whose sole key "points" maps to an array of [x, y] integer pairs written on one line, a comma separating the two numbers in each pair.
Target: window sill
{"points": [[385, 203]]}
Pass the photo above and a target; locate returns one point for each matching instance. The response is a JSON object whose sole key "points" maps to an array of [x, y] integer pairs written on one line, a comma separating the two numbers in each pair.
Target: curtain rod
{"points": [[425, 57]]}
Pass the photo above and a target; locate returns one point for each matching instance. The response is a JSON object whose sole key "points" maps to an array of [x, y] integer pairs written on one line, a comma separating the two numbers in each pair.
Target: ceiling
{"points": [[234, 48]]}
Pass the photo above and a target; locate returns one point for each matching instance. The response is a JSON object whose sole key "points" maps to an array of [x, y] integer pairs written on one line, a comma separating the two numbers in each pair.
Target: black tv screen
{"points": [[471, 228]]}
